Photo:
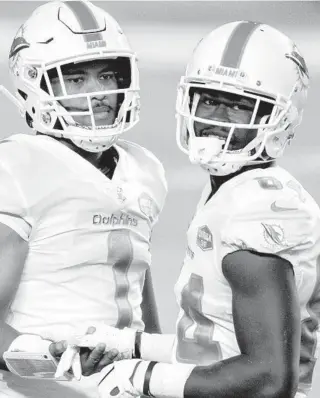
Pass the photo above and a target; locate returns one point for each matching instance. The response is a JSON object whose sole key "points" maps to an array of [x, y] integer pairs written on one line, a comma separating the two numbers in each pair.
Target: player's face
{"points": [[229, 108], [86, 77]]}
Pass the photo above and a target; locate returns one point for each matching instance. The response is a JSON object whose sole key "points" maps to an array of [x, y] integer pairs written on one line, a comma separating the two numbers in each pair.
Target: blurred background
{"points": [[164, 34]]}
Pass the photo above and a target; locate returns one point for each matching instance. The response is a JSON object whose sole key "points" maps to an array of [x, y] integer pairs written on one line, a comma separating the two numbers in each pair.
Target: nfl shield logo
{"points": [[204, 238]]}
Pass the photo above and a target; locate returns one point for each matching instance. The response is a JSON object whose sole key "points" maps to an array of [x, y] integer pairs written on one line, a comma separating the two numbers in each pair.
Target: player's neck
{"points": [[218, 181], [105, 161], [92, 157]]}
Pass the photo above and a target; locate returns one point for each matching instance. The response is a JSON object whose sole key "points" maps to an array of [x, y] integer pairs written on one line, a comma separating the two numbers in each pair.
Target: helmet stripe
{"points": [[86, 19], [237, 43]]}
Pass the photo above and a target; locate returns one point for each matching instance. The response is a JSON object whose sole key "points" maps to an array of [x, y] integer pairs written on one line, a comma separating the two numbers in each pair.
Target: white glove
{"points": [[123, 340], [37, 348], [70, 360], [30, 343], [29, 356], [123, 379]]}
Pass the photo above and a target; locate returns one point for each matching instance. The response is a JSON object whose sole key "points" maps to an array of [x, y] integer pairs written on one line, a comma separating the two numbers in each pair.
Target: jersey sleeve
{"points": [[282, 223], [269, 233], [13, 207]]}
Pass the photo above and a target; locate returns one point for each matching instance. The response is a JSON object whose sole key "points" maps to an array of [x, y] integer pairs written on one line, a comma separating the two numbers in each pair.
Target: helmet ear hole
{"points": [[29, 120], [23, 94], [43, 85], [58, 125], [128, 117]]}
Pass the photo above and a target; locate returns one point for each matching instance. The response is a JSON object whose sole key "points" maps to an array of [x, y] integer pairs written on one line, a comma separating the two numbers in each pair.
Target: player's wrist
{"points": [[128, 343], [141, 378], [137, 343], [145, 346], [154, 379], [155, 347], [133, 344]]}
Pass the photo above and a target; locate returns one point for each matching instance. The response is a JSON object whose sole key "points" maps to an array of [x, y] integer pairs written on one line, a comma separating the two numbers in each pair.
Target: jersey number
{"points": [[120, 254], [200, 346]]}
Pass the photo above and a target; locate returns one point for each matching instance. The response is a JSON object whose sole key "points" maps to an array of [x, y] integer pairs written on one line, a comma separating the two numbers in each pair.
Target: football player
{"points": [[77, 204], [249, 289]]}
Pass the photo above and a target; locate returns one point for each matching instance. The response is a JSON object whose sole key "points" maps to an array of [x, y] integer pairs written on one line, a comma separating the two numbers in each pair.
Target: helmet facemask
{"points": [[224, 147], [56, 36], [93, 120]]}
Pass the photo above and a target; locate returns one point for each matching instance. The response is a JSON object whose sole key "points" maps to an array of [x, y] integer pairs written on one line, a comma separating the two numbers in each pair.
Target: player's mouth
{"points": [[102, 109], [96, 109], [104, 115], [222, 133], [219, 132]]}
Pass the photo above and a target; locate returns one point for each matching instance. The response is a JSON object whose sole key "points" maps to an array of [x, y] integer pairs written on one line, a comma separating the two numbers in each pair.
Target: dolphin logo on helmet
{"points": [[298, 59], [19, 43]]}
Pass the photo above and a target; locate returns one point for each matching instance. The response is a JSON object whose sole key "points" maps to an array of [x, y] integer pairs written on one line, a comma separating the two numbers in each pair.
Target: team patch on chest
{"points": [[204, 238], [148, 206], [274, 236]]}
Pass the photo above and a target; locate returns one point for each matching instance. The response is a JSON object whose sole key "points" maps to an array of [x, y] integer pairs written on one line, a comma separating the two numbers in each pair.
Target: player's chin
{"points": [[100, 119], [104, 118]]}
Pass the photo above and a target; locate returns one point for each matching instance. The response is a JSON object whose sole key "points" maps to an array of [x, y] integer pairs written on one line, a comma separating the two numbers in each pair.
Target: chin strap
{"points": [[93, 146]]}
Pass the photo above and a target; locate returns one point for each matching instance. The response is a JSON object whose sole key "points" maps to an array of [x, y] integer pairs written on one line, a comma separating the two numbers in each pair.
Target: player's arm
{"points": [[13, 253], [267, 324], [148, 306]]}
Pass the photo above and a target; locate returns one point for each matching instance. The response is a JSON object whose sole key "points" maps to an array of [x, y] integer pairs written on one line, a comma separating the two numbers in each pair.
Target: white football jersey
{"points": [[262, 209], [89, 236]]}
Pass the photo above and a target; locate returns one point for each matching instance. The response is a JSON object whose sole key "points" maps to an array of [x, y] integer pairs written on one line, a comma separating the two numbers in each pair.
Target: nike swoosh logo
{"points": [[276, 208]]}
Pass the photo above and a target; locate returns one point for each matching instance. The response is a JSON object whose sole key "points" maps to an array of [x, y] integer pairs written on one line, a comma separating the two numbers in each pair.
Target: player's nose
{"points": [[98, 97], [94, 85], [220, 113]]}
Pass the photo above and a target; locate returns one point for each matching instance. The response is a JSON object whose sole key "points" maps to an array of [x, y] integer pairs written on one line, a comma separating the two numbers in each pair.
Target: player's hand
{"points": [[83, 360], [123, 379], [123, 340], [94, 360], [66, 354]]}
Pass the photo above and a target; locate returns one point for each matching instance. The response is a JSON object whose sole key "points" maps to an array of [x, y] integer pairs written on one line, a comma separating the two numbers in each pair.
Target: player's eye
{"points": [[107, 76], [75, 79], [242, 107], [210, 101]]}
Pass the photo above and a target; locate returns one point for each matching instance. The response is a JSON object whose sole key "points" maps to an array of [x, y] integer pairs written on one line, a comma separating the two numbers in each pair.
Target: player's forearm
{"points": [[239, 376], [242, 376], [7, 335]]}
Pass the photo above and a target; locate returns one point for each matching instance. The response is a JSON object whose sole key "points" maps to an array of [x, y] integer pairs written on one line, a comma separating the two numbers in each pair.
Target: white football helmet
{"points": [[62, 33], [255, 61]]}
